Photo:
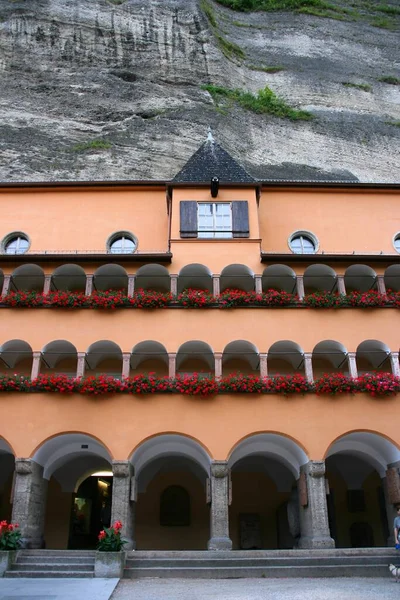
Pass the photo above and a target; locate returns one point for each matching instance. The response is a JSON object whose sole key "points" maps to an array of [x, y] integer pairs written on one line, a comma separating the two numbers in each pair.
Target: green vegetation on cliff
{"points": [[251, 5], [265, 101]]}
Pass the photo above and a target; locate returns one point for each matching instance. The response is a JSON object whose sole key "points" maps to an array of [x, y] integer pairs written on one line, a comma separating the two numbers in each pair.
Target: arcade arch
{"points": [[76, 502], [265, 468], [171, 468], [360, 509]]}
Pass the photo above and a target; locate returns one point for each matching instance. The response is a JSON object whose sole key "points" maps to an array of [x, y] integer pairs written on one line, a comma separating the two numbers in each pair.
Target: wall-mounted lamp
{"points": [[214, 187]]}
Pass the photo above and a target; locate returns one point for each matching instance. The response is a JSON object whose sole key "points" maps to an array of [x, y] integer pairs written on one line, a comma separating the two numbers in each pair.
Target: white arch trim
{"points": [[279, 447], [371, 447], [56, 452], [169, 445]]}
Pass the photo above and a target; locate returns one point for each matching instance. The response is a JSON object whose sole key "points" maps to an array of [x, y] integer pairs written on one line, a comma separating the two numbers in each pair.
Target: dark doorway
{"points": [[90, 512]]}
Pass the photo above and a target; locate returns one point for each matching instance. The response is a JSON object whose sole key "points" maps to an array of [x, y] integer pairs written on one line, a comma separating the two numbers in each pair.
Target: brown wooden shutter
{"points": [[188, 212], [240, 219]]}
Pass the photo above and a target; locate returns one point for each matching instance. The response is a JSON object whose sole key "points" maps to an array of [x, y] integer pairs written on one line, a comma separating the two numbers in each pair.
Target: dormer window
{"points": [[214, 220]]}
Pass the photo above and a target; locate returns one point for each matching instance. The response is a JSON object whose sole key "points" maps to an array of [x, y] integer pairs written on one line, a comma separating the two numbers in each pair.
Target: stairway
{"points": [[53, 563], [348, 562]]}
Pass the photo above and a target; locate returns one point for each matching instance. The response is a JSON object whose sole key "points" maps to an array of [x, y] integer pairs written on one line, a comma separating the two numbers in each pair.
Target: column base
{"points": [[33, 543], [309, 542], [219, 543], [130, 545]]}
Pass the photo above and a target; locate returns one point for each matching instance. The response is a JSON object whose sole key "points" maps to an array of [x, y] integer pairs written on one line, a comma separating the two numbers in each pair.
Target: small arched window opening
{"points": [[175, 507]]}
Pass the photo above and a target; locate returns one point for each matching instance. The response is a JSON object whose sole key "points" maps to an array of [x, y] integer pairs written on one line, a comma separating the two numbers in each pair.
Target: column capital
{"points": [[122, 468], [23, 466], [315, 468], [219, 469]]}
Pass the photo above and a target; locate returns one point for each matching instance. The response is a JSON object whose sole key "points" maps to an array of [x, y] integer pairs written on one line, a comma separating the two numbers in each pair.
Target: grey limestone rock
{"points": [[104, 89]]}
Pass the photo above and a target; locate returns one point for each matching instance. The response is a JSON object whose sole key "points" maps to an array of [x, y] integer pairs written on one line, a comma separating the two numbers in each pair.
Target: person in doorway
{"points": [[396, 526], [105, 515]]}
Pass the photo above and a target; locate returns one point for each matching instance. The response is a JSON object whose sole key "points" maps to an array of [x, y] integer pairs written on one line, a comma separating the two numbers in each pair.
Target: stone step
{"points": [[257, 562], [65, 560], [324, 570], [320, 553], [51, 567], [48, 552], [44, 573]]}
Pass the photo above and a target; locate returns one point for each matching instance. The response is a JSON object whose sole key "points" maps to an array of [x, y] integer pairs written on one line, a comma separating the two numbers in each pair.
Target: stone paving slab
{"points": [[258, 589], [56, 589]]}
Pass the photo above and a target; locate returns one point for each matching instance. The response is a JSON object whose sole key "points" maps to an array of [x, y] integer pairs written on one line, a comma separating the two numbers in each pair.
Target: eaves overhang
{"points": [[271, 257], [154, 257]]}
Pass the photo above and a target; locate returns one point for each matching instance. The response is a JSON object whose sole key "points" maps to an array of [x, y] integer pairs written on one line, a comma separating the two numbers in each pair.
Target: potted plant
{"points": [[10, 541], [110, 555]]}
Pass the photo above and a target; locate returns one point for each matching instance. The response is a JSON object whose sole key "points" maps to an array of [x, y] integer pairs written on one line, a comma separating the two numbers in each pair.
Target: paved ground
{"points": [[199, 589], [56, 589], [258, 589]]}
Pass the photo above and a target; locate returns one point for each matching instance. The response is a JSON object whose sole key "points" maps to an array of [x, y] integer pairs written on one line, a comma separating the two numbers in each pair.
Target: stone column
{"points": [[391, 489], [126, 364], [123, 501], [381, 284], [308, 367], [218, 364], [131, 285], [341, 285], [219, 509], [80, 366], [36, 364], [314, 526], [29, 501], [391, 512], [264, 365], [258, 283], [394, 361], [174, 285], [216, 285], [172, 365], [300, 286], [89, 285], [47, 284], [351, 356], [6, 285]]}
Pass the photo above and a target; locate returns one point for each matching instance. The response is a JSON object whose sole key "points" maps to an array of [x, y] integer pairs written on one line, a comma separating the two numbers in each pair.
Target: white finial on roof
{"points": [[210, 137]]}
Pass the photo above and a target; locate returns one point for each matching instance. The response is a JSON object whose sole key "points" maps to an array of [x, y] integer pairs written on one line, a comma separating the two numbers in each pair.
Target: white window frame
{"points": [[303, 234], [15, 236], [396, 238], [118, 236], [214, 233]]}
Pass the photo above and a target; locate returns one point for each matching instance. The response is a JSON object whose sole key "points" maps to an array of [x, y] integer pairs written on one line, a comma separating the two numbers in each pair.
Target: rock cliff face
{"points": [[110, 89]]}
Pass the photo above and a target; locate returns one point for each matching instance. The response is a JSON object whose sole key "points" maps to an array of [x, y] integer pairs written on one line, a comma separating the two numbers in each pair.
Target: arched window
{"points": [[175, 507]]}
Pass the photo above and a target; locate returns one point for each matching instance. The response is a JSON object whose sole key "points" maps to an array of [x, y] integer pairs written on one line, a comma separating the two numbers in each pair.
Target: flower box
{"points": [[109, 564]]}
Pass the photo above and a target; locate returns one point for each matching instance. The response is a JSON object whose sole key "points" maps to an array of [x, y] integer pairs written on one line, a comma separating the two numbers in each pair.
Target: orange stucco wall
{"points": [[171, 327], [343, 220], [83, 220], [122, 423]]}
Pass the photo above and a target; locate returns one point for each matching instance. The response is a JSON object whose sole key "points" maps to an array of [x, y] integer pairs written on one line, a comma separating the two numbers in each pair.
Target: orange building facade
{"points": [[242, 306]]}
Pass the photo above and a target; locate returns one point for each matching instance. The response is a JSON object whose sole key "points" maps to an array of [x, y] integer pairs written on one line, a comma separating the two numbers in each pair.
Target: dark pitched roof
{"points": [[211, 160]]}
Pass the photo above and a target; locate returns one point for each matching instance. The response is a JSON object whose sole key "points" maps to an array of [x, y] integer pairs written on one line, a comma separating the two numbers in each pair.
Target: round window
{"points": [[122, 243], [396, 242], [16, 244], [303, 243]]}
